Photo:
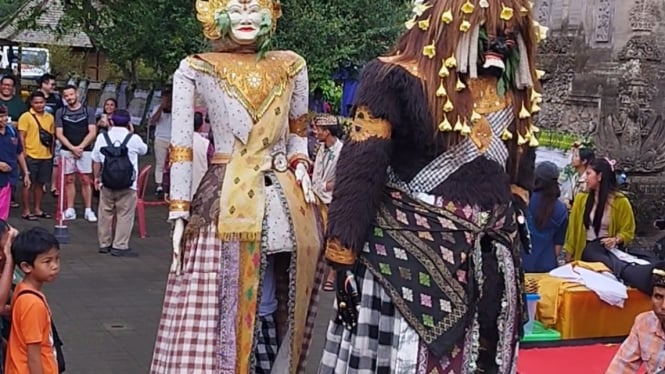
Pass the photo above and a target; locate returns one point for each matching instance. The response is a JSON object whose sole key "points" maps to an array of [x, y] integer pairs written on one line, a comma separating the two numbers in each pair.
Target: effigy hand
{"points": [[178, 231], [348, 299], [521, 207], [305, 183]]}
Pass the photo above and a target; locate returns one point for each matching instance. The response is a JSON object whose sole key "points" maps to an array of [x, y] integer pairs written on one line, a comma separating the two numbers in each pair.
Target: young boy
{"points": [[31, 348]]}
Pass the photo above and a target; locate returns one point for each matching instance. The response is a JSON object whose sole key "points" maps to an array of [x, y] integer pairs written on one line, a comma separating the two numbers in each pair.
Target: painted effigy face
{"points": [[246, 17], [496, 50]]}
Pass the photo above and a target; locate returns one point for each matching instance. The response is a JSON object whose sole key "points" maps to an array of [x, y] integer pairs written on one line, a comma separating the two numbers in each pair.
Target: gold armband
{"points": [[298, 126], [180, 154], [337, 254], [366, 126], [299, 157], [179, 206]]}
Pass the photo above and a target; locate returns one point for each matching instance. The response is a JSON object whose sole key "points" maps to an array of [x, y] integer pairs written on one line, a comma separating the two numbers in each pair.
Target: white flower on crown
{"points": [[419, 7]]}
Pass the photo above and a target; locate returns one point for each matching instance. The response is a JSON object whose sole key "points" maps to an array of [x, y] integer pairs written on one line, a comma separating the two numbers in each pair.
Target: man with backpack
{"points": [[115, 168], [76, 128]]}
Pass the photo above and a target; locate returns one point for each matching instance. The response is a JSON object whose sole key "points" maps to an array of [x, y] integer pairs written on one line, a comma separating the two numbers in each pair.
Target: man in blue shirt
{"points": [[11, 157]]}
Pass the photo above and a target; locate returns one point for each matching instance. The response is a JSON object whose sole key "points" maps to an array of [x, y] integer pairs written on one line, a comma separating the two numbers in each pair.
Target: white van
{"points": [[35, 62]]}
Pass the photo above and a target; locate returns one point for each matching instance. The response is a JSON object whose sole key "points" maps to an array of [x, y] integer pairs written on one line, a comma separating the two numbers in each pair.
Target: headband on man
{"points": [[658, 278]]}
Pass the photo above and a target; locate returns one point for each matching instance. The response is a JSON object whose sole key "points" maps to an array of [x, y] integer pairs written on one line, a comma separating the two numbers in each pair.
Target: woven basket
{"points": [[531, 285]]}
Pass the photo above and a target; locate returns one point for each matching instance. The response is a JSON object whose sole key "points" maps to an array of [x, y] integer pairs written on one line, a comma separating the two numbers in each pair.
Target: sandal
{"points": [[29, 217], [329, 286], [43, 215]]}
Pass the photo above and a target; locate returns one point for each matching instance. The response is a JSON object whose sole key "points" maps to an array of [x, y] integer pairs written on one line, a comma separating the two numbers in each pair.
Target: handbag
{"points": [[45, 137]]}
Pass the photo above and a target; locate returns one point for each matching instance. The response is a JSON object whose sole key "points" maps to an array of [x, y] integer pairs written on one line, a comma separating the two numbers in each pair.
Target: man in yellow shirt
{"points": [[37, 128]]}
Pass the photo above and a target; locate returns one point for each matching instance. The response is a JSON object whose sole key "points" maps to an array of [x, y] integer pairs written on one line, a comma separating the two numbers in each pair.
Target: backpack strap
{"points": [[127, 139], [107, 138], [54, 331]]}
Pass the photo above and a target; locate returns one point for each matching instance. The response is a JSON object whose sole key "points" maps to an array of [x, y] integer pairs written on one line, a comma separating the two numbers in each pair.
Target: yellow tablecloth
{"points": [[581, 314]]}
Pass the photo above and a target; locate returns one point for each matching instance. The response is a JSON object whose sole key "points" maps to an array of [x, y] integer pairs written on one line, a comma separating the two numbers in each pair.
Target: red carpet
{"points": [[590, 359]]}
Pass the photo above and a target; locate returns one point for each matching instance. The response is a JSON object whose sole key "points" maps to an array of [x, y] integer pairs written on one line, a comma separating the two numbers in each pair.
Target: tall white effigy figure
{"points": [[247, 242]]}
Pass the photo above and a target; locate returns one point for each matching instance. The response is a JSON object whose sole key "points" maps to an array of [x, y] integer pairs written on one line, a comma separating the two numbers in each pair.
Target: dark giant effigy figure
{"points": [[426, 226]]}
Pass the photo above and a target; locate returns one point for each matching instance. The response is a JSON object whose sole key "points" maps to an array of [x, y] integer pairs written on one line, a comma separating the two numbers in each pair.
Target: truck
{"points": [[35, 62]]}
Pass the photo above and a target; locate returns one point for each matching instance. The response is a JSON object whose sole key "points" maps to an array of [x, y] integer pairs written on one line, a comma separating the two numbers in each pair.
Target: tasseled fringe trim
{"points": [[239, 236]]}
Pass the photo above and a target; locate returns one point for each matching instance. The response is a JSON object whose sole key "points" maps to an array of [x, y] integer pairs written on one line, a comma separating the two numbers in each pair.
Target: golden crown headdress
{"points": [[206, 12]]}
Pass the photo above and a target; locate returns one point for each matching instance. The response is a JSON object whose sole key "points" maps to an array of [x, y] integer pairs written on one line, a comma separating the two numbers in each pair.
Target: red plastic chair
{"points": [[141, 203]]}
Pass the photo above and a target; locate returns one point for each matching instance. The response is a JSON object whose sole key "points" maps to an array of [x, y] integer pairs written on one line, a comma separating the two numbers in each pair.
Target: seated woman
{"points": [[547, 219], [602, 220]]}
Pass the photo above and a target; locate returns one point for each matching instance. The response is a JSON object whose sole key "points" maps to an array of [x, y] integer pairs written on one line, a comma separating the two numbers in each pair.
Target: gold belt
{"points": [[220, 158]]}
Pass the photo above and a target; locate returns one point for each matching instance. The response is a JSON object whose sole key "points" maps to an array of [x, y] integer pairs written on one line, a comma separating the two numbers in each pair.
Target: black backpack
{"points": [[117, 172]]}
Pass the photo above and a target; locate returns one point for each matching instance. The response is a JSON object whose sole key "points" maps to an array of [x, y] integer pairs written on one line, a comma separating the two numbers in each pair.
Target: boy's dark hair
{"points": [[198, 120], [32, 243], [70, 87], [4, 226], [45, 78], [36, 94], [587, 155]]}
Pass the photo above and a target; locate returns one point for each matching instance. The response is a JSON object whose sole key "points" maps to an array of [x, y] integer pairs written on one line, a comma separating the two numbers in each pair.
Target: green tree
{"points": [[327, 33], [8, 7], [157, 33], [161, 32]]}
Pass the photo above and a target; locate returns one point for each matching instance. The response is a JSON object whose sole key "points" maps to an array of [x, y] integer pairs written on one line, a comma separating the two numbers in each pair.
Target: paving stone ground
{"points": [[107, 309]]}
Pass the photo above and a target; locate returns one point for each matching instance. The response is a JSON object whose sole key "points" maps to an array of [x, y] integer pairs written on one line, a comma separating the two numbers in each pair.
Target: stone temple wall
{"points": [[605, 78]]}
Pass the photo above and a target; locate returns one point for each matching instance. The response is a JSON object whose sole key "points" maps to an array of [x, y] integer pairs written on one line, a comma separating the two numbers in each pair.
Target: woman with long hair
{"points": [[601, 221], [547, 218], [110, 105]]}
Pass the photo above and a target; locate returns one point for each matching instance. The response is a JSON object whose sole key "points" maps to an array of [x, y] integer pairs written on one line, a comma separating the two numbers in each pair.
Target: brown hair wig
{"points": [[445, 38]]}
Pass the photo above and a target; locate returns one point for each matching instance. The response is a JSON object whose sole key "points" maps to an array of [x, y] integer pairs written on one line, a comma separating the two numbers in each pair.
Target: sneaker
{"points": [[90, 216], [123, 253], [104, 250], [69, 214]]}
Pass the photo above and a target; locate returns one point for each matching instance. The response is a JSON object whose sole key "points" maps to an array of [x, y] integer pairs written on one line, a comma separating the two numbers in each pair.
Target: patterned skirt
{"points": [[198, 329], [383, 341], [440, 293]]}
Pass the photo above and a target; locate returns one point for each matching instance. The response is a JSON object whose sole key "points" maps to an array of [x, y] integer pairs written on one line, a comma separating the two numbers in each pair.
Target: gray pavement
{"points": [[107, 309]]}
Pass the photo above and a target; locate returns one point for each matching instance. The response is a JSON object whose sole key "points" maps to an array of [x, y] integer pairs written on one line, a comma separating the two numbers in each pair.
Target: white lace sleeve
{"points": [[182, 140], [298, 124]]}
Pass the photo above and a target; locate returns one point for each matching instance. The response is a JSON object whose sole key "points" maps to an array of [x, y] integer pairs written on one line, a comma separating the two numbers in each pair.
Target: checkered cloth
{"points": [[373, 346], [189, 338], [442, 167], [377, 345], [266, 345]]}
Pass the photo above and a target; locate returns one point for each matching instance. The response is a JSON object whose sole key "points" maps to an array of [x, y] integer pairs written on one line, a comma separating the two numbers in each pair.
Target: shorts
{"points": [[40, 170], [56, 152], [73, 165]]}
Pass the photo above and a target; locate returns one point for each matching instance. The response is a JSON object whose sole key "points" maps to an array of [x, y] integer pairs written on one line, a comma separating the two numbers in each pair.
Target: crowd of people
{"points": [[588, 221], [421, 215], [54, 139]]}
